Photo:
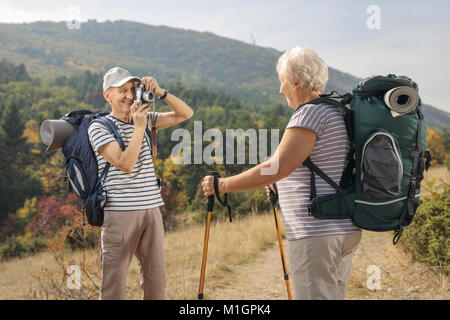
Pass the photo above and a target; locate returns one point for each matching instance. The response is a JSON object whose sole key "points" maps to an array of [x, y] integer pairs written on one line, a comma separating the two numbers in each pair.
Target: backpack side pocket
{"points": [[77, 181], [381, 167]]}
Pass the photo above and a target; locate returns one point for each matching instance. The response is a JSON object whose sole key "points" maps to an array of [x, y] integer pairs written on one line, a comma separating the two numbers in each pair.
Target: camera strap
{"points": [[153, 133]]}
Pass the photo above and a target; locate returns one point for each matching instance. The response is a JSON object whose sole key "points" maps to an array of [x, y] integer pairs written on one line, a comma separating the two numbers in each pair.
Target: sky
{"points": [[363, 38]]}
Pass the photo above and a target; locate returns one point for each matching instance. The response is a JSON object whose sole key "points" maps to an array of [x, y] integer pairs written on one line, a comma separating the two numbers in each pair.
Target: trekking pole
{"points": [[209, 208], [273, 199]]}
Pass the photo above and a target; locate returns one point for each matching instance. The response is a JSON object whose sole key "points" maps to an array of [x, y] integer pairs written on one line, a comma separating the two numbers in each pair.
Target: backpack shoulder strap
{"points": [[313, 168], [112, 128], [339, 102]]}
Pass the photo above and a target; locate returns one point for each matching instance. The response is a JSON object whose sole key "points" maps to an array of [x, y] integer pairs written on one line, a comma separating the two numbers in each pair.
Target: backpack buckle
{"points": [[427, 156], [397, 235], [346, 98], [412, 187]]}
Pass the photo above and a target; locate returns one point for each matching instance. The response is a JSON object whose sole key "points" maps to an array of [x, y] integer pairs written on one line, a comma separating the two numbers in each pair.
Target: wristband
{"points": [[164, 95]]}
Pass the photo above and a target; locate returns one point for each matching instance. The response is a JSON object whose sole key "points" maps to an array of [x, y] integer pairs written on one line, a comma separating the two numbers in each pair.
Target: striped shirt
{"points": [[329, 154], [126, 191]]}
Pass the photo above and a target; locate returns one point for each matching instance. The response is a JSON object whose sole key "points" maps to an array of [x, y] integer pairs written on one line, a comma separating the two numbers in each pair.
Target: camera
{"points": [[142, 95]]}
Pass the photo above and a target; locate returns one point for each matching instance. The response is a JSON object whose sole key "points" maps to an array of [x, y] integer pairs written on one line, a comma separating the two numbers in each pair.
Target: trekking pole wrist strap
{"points": [[223, 202]]}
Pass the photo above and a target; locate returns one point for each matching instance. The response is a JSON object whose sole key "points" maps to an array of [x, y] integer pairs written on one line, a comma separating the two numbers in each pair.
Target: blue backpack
{"points": [[81, 163]]}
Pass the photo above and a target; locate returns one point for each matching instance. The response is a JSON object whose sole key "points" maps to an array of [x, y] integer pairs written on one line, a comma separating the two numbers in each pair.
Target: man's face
{"points": [[121, 98]]}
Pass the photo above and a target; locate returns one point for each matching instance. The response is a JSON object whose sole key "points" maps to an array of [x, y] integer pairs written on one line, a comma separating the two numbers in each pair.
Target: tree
{"points": [[436, 147], [17, 181], [14, 145], [25, 214], [51, 213], [10, 72], [445, 135]]}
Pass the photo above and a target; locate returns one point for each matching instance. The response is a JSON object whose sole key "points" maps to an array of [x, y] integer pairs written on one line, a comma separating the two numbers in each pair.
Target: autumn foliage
{"points": [[51, 214], [436, 146]]}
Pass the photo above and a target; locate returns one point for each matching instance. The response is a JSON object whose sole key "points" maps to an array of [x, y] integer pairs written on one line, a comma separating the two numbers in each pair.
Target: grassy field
{"points": [[436, 176], [231, 245], [243, 263]]}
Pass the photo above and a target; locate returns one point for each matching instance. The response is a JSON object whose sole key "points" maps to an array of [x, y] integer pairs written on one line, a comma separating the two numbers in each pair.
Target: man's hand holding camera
{"points": [[152, 85], [180, 110], [139, 115]]}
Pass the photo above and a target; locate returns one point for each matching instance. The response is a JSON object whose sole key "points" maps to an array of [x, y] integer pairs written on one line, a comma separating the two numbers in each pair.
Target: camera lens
{"points": [[148, 96]]}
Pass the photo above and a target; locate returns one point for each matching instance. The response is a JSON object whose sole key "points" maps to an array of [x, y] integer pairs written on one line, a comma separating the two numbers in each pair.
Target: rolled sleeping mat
{"points": [[54, 133], [401, 100]]}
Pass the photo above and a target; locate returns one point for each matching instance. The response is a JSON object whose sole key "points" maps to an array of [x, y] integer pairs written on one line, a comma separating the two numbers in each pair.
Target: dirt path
{"points": [[400, 278]]}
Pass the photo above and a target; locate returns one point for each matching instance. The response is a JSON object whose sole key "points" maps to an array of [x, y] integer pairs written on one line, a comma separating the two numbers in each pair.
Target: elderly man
{"points": [[133, 223]]}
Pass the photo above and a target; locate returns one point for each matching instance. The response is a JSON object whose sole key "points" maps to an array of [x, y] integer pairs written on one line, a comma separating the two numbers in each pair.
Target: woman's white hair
{"points": [[305, 67]]}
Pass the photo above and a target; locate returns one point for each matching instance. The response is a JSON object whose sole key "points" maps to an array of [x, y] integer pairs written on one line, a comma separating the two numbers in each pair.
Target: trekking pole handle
{"points": [[210, 203], [273, 195]]}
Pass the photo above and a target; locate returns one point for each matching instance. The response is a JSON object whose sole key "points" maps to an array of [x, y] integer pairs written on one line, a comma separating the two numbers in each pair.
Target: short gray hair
{"points": [[304, 66]]}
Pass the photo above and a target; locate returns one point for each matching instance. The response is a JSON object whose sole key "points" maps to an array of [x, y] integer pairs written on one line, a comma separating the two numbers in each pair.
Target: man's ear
{"points": [[106, 95]]}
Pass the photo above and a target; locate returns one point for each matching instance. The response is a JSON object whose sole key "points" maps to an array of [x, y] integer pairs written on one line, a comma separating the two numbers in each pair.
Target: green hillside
{"points": [[50, 50]]}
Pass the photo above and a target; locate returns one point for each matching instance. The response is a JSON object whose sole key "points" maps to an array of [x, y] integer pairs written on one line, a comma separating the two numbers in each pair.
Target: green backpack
{"points": [[380, 186]]}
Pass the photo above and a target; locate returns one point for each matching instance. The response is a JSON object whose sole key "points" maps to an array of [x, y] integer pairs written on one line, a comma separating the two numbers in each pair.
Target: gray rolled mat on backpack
{"points": [[401, 100], [54, 133]]}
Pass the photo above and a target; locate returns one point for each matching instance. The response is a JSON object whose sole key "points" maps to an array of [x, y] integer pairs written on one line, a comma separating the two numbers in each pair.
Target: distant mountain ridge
{"points": [[172, 54], [50, 49]]}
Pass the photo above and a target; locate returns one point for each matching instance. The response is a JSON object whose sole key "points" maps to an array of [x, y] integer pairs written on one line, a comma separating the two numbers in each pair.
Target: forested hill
{"points": [[50, 49]]}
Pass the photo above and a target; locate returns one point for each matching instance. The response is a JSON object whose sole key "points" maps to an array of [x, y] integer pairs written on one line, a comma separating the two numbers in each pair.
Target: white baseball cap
{"points": [[116, 77]]}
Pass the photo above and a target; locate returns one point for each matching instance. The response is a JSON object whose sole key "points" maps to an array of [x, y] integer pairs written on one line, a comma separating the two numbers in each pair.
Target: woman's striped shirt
{"points": [[329, 154]]}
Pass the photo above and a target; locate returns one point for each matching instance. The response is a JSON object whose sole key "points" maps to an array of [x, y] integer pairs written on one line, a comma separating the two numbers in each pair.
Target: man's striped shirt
{"points": [[126, 191], [329, 154]]}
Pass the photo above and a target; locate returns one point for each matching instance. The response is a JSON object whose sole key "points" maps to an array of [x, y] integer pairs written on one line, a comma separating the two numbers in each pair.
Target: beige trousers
{"points": [[321, 266], [128, 233]]}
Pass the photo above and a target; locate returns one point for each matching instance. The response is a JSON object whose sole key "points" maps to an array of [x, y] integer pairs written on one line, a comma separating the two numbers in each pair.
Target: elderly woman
{"points": [[320, 251]]}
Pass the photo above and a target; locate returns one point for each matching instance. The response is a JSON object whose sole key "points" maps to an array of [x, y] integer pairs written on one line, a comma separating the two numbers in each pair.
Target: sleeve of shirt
{"points": [[99, 135], [149, 122], [309, 116]]}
